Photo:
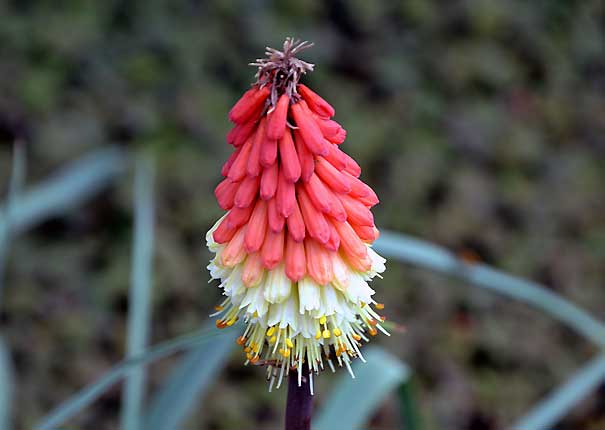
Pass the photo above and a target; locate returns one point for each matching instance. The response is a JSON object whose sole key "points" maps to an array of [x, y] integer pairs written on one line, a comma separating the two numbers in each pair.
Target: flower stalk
{"points": [[299, 406]]}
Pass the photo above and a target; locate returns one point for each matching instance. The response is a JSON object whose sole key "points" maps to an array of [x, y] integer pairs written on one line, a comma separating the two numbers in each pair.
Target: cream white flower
{"points": [[290, 322]]}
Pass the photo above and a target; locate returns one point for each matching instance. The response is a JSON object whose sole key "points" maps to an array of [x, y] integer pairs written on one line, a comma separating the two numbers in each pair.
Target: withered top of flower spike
{"points": [[282, 70]]}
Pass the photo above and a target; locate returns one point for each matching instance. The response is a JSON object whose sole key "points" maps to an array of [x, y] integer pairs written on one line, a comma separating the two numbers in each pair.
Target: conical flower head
{"points": [[293, 252]]}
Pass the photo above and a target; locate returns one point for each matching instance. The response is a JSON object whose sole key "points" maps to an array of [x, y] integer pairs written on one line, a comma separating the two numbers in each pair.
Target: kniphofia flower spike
{"points": [[293, 252]]}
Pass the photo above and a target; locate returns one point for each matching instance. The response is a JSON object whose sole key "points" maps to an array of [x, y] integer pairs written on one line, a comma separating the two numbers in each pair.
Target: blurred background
{"points": [[480, 124]]}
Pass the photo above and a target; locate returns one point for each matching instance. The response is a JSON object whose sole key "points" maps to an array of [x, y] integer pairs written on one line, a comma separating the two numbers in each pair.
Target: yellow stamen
{"points": [[337, 332], [318, 334], [271, 331], [323, 320], [241, 340], [273, 340], [326, 334], [286, 353], [356, 337], [379, 306], [289, 343], [218, 308]]}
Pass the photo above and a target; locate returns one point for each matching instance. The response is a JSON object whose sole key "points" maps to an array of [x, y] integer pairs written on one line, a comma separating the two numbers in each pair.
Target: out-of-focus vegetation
{"points": [[480, 124]]}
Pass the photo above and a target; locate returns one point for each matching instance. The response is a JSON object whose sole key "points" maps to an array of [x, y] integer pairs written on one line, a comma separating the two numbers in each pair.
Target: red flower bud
{"points": [[334, 179], [318, 193], [257, 227], [289, 160], [273, 249], [315, 222], [247, 191], [240, 133], [307, 165], [237, 171], [286, 198], [315, 102], [268, 183], [296, 262], [225, 193], [253, 167], [276, 220], [276, 124], [356, 211], [239, 216], [319, 262], [309, 129], [296, 224], [247, 105], [229, 162]]}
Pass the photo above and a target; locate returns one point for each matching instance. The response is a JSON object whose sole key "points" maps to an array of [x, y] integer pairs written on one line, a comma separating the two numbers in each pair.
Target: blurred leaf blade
{"points": [[90, 393], [6, 386], [139, 315], [16, 183], [17, 180], [380, 375], [546, 413], [67, 188], [410, 408], [433, 257], [187, 383]]}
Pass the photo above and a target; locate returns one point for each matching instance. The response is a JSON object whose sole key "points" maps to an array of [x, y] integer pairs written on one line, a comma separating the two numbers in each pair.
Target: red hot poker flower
{"points": [[293, 252]]}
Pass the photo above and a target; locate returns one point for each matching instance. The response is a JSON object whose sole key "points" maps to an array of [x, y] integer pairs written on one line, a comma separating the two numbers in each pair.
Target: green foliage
{"points": [[89, 394], [189, 382], [6, 387], [418, 252], [353, 401], [549, 411], [139, 309]]}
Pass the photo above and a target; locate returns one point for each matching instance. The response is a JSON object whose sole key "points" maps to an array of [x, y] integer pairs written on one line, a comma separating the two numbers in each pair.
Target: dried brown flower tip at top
{"points": [[282, 70]]}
